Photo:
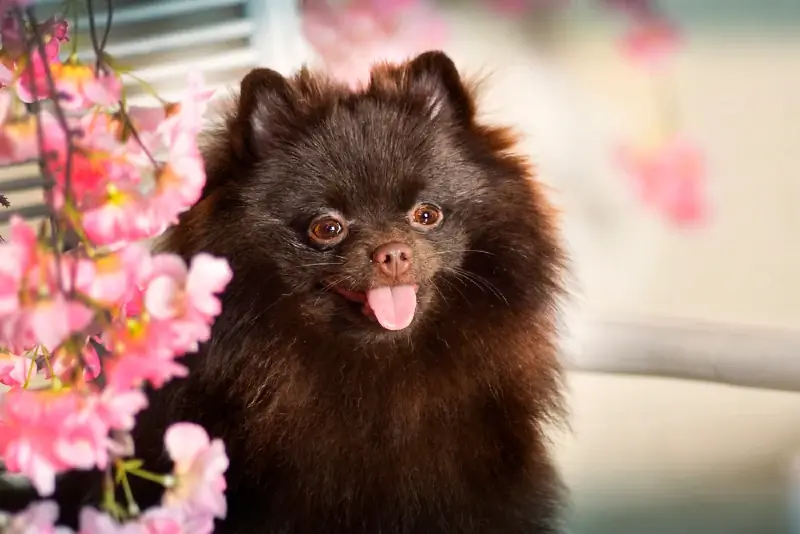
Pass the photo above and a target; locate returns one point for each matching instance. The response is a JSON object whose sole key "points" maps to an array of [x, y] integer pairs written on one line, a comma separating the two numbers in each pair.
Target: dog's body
{"points": [[385, 359]]}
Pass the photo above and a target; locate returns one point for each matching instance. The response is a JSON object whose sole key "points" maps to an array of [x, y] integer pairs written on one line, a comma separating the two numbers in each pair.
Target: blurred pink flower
{"points": [[38, 518], [199, 471], [93, 521], [30, 424], [651, 42], [17, 135], [353, 35], [13, 369], [56, 319], [669, 179], [43, 433]]}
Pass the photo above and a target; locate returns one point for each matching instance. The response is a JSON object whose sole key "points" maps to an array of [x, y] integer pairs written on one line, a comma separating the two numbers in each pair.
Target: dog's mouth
{"points": [[392, 307]]}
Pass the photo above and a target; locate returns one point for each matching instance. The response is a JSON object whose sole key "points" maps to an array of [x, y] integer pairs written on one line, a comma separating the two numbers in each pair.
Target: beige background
{"points": [[657, 455]]}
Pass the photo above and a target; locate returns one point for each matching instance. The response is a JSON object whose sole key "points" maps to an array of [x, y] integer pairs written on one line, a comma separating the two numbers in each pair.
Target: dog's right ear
{"points": [[264, 95]]}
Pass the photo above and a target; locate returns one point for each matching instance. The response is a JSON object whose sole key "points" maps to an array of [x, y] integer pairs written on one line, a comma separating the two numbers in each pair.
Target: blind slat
{"points": [[183, 39], [157, 10]]}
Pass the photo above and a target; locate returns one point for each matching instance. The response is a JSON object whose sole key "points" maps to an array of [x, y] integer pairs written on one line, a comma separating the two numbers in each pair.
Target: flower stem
{"points": [[122, 476], [164, 480]]}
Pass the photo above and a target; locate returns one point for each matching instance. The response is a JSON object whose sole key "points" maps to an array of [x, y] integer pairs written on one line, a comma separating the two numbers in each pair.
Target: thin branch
{"points": [[128, 123], [6, 204], [99, 44], [33, 88], [93, 32], [109, 17]]}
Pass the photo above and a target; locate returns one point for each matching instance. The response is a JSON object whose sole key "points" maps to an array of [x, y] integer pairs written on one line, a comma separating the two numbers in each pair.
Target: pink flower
{"points": [[84, 87], [122, 214], [110, 278], [117, 409], [46, 432], [200, 465], [353, 35], [38, 518], [30, 425], [93, 521], [165, 520], [670, 179], [18, 141], [13, 369], [650, 43], [186, 298], [32, 84], [15, 256], [155, 520], [56, 319], [54, 32], [170, 314]]}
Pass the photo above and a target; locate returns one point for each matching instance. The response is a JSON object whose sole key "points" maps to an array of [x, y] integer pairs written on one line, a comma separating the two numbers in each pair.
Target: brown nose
{"points": [[393, 259]]}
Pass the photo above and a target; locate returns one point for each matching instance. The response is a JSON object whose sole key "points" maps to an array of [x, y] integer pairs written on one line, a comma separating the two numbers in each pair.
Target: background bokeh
{"points": [[647, 454]]}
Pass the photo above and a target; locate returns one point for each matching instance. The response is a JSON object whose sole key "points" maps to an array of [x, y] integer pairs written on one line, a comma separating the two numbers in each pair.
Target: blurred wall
{"points": [[651, 455]]}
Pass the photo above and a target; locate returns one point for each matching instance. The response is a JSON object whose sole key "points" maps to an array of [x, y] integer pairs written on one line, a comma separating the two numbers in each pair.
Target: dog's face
{"points": [[380, 210]]}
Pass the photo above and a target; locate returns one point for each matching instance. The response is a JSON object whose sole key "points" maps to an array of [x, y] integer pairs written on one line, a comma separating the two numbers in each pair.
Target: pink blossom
{"points": [[56, 319], [15, 257], [38, 518], [83, 86], [670, 179], [30, 424], [170, 314], [18, 141], [650, 43], [32, 84], [46, 432], [54, 32], [13, 369], [166, 520], [156, 520], [117, 409], [110, 278], [93, 521], [122, 214], [200, 465], [353, 35], [186, 298]]}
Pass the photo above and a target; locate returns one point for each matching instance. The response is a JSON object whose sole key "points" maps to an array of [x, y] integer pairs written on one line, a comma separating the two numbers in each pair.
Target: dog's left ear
{"points": [[434, 75]]}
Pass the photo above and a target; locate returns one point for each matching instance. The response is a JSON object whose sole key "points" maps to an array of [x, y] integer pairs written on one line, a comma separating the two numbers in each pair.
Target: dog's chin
{"points": [[379, 312]]}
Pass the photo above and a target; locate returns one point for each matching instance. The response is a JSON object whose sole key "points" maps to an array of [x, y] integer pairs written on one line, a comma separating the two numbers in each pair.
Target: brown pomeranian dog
{"points": [[385, 361]]}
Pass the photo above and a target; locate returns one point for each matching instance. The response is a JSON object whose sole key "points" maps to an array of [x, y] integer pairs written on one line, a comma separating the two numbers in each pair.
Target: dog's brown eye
{"points": [[327, 230], [426, 215]]}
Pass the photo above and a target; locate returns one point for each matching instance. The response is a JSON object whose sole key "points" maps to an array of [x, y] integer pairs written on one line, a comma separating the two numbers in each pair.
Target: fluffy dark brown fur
{"points": [[334, 424]]}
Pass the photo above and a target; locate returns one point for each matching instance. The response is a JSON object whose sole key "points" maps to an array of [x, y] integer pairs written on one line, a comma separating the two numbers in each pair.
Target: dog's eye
{"points": [[327, 230], [426, 216]]}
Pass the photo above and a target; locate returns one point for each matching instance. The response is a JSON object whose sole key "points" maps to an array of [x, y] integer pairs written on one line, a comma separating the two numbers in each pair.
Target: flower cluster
{"points": [[108, 308]]}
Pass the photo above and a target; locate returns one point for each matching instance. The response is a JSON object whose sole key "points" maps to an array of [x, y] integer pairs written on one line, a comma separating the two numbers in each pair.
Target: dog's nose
{"points": [[393, 259]]}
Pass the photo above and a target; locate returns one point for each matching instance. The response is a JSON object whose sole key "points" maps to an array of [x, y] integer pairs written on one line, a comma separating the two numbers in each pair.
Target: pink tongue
{"points": [[393, 306]]}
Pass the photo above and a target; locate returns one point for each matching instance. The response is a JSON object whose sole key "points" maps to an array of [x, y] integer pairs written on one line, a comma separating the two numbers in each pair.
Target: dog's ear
{"points": [[264, 96], [434, 75]]}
